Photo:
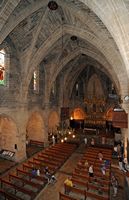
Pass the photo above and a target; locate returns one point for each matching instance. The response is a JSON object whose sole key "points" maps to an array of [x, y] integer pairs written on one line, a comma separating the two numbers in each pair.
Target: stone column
{"points": [[20, 117], [46, 115], [125, 131]]}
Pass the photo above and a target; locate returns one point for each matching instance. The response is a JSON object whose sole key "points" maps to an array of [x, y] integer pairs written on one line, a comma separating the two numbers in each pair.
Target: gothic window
{"points": [[2, 67], [36, 81]]}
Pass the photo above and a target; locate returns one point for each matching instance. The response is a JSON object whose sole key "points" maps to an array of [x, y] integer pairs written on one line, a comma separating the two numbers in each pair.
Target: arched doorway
{"points": [[77, 118]]}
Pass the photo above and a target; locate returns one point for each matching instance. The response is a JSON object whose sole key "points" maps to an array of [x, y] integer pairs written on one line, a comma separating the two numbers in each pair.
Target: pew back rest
{"points": [[65, 197]]}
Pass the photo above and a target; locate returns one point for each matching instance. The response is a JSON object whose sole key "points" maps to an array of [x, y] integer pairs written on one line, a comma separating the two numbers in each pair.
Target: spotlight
{"points": [[62, 140], [69, 132]]}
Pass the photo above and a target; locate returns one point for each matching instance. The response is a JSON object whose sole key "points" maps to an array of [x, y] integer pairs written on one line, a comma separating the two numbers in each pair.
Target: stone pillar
{"points": [[46, 115], [125, 131], [20, 118]]}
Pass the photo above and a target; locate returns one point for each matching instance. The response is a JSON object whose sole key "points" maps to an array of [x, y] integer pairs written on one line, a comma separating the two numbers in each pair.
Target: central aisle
{"points": [[51, 192]]}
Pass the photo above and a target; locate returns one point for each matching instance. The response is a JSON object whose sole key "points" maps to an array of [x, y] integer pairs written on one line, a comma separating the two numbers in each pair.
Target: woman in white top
{"points": [[38, 172], [91, 171]]}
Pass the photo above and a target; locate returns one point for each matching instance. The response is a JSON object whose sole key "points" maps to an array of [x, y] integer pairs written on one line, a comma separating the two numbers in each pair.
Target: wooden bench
{"points": [[16, 188], [56, 163], [39, 178], [36, 143], [97, 173], [59, 151], [26, 166], [66, 197], [63, 151], [51, 153], [79, 182], [9, 196], [98, 186], [76, 190], [25, 181], [48, 164], [95, 196], [51, 157], [91, 179], [37, 164]]}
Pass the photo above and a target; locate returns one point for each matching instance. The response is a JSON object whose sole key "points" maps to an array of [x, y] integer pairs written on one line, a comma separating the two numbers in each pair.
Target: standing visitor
{"points": [[114, 183], [68, 184], [38, 172], [92, 142], [85, 141], [91, 171]]}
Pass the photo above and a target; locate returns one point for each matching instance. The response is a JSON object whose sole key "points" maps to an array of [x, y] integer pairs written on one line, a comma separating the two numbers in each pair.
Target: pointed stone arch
{"points": [[8, 133], [35, 127], [53, 121], [78, 114]]}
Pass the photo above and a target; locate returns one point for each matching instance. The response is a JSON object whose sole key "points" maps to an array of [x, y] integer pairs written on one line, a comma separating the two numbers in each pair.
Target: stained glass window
{"points": [[2, 67]]}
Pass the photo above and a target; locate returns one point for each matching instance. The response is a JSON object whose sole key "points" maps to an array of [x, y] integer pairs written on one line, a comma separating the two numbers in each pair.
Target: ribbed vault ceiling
{"points": [[45, 35]]}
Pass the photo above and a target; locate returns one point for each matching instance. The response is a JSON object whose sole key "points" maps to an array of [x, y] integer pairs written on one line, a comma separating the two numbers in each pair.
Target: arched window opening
{"points": [[36, 81], [2, 67]]}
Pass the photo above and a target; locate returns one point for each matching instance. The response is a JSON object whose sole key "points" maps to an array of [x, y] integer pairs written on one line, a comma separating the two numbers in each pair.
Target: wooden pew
{"points": [[55, 152], [40, 165], [86, 177], [9, 196], [25, 181], [96, 196], [97, 173], [66, 197], [56, 163], [48, 164], [76, 191], [97, 187], [37, 143], [16, 188], [51, 153], [79, 182], [39, 178], [26, 166], [51, 157], [80, 176], [62, 151]]}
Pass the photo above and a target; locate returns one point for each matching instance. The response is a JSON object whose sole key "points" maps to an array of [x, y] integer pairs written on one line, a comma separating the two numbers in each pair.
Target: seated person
{"points": [[91, 171], [34, 172], [46, 169], [53, 179], [68, 183], [86, 164], [103, 169], [107, 163], [125, 163], [48, 177], [100, 155]]}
